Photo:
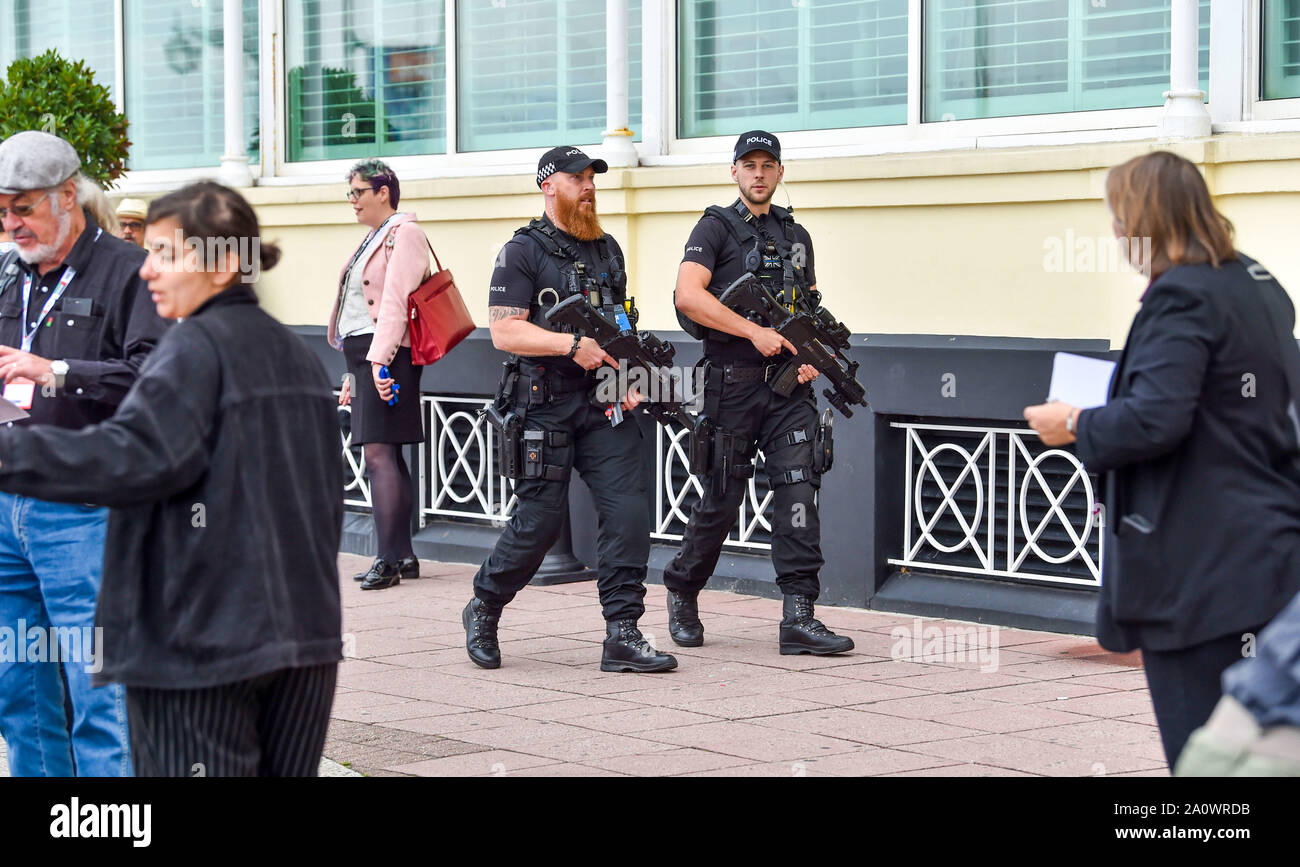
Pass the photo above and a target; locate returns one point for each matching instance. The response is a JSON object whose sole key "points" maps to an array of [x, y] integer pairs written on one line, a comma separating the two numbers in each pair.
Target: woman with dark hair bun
{"points": [[219, 609], [1198, 446], [369, 324]]}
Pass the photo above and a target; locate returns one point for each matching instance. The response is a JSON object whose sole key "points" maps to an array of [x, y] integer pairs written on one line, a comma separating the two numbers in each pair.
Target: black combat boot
{"points": [[407, 567], [480, 621], [684, 620], [802, 633], [627, 650], [381, 576]]}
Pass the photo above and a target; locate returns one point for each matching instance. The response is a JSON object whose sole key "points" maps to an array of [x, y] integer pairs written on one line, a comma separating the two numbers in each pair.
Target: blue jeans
{"points": [[51, 562]]}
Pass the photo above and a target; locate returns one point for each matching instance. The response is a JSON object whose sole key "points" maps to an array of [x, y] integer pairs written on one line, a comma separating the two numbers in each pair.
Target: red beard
{"points": [[582, 223]]}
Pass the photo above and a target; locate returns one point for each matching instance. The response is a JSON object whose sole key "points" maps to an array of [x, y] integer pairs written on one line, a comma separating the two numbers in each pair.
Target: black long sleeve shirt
{"points": [[222, 471], [104, 348]]}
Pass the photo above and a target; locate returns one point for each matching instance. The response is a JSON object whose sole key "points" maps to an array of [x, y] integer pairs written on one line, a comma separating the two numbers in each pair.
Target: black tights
{"points": [[392, 499]]}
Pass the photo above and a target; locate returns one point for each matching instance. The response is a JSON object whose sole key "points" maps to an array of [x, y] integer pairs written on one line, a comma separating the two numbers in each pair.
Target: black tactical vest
{"points": [[771, 258], [604, 286]]}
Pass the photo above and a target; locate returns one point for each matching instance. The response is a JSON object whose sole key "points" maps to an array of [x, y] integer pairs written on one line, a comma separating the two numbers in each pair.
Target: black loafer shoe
{"points": [[408, 567], [381, 576]]}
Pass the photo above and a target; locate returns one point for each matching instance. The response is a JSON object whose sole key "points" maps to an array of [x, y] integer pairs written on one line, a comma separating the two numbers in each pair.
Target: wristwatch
{"points": [[1069, 423], [573, 350], [60, 370]]}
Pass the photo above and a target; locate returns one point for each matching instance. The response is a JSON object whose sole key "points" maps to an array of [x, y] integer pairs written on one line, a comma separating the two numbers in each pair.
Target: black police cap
{"points": [[567, 159]]}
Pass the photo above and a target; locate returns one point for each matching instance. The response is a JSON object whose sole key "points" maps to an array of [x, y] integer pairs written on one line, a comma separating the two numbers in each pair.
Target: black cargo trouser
{"points": [[610, 462], [758, 417]]}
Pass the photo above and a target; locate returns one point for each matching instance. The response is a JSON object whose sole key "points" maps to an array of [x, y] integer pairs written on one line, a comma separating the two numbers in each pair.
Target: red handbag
{"points": [[438, 318]]}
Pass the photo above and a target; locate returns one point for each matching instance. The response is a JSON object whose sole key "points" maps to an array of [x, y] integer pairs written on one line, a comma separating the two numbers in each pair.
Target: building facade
{"points": [[947, 156]]}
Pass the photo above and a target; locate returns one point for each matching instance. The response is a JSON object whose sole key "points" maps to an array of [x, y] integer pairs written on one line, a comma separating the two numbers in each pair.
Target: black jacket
{"points": [[1201, 463], [105, 345], [223, 469]]}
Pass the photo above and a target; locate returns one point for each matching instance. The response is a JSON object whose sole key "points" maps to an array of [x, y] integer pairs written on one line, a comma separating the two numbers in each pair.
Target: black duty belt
{"points": [[750, 371], [537, 386]]}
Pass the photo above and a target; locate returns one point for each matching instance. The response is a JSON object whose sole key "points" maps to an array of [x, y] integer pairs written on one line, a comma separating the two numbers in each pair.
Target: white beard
{"points": [[39, 254]]}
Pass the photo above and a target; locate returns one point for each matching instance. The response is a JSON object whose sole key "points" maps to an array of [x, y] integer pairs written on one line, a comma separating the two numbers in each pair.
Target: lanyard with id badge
{"points": [[22, 394]]}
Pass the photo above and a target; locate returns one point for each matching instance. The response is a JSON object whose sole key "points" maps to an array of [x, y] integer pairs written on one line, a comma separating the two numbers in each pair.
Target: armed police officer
{"points": [[550, 426], [742, 412]]}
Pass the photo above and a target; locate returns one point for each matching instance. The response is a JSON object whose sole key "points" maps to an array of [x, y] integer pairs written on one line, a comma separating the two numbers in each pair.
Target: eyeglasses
{"points": [[354, 193], [133, 225], [21, 211]]}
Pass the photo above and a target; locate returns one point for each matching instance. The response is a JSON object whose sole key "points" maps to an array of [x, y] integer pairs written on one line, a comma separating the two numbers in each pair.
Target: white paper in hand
{"points": [[1080, 381]]}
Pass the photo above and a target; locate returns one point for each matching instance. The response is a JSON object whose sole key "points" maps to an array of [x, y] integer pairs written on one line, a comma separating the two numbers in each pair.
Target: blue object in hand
{"points": [[383, 374]]}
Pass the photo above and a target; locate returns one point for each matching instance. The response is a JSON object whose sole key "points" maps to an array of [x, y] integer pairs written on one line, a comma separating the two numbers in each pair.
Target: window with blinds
{"points": [[366, 78], [532, 72], [77, 29], [994, 58], [790, 64], [175, 80], [1281, 42]]}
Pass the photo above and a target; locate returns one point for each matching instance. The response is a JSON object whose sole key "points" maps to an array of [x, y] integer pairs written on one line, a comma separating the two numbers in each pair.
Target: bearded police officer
{"points": [[550, 426], [743, 412]]}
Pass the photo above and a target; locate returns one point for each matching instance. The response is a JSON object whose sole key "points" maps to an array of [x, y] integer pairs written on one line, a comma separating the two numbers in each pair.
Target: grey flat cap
{"points": [[35, 160]]}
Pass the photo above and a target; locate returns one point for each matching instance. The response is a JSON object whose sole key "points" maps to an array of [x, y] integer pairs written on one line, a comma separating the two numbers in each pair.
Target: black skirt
{"points": [[373, 420]]}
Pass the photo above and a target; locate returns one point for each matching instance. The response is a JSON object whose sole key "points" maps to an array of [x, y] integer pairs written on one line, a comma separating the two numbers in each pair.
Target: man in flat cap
{"points": [[76, 323], [548, 388], [130, 216]]}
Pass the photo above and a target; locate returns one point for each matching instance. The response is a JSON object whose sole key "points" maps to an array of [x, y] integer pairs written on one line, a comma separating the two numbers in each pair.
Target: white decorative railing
{"points": [[356, 489], [674, 485], [457, 466], [457, 476], [1021, 553]]}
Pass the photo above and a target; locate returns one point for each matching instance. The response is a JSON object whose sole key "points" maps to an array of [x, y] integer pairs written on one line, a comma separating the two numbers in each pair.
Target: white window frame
{"points": [[661, 145], [1107, 125], [164, 180], [1265, 115], [453, 163]]}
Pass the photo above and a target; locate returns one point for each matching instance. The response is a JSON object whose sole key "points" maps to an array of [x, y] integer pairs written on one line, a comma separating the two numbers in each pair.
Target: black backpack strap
{"points": [[741, 228], [540, 232], [1283, 321]]}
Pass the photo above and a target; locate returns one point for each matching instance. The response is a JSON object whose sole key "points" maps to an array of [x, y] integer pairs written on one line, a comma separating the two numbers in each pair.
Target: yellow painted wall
{"points": [[938, 243]]}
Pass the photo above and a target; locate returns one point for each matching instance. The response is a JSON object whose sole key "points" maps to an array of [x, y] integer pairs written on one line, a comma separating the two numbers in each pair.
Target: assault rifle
{"points": [[632, 350], [820, 339]]}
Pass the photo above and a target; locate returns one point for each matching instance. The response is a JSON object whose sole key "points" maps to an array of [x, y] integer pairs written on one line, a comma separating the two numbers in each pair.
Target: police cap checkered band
{"points": [[566, 159]]}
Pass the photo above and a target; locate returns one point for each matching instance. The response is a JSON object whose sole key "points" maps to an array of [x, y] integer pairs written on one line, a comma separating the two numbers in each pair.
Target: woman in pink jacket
{"points": [[368, 324]]}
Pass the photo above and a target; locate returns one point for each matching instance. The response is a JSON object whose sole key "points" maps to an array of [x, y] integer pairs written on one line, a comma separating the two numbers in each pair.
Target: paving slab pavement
{"points": [[919, 697]]}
